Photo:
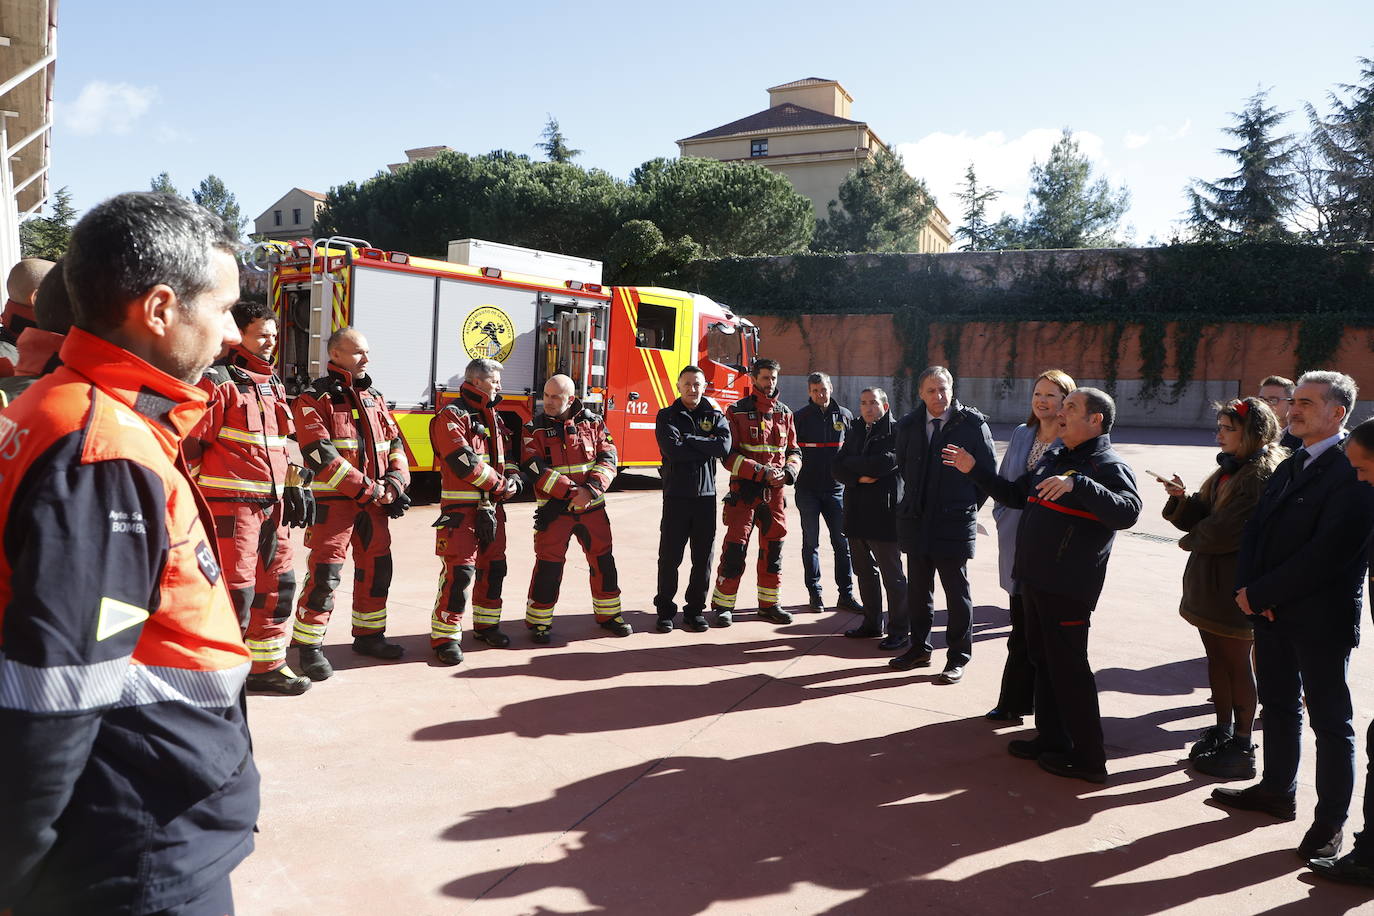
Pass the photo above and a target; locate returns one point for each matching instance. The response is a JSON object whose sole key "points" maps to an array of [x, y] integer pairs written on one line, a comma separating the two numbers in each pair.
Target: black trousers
{"points": [[871, 560], [1017, 696], [690, 519], [1067, 715], [920, 605]]}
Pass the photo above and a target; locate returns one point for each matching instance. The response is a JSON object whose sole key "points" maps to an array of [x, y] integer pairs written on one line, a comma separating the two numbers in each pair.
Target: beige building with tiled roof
{"points": [[292, 217], [806, 134]]}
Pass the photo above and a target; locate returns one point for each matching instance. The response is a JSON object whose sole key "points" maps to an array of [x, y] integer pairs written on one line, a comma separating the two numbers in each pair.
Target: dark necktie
{"points": [[934, 433]]}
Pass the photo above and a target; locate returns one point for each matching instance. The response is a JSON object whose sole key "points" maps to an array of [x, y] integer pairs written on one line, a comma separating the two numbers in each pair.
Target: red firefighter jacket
{"points": [[239, 450], [560, 456], [348, 438], [763, 436], [126, 781], [471, 445]]}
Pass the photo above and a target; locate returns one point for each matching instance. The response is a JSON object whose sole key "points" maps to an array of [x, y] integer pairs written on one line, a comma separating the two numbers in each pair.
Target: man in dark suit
{"points": [[1300, 577], [936, 522]]}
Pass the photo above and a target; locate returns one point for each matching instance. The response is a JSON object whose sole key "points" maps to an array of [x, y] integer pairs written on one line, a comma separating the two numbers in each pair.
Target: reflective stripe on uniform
{"points": [[470, 496], [763, 449], [307, 634], [344, 443], [117, 683], [538, 616], [233, 483], [722, 600], [574, 468], [332, 482], [370, 619], [243, 435], [768, 595], [441, 630], [266, 650], [485, 616], [599, 501]]}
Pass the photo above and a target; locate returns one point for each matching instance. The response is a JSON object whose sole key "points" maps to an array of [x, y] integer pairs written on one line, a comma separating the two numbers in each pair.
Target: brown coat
{"points": [[1214, 518]]}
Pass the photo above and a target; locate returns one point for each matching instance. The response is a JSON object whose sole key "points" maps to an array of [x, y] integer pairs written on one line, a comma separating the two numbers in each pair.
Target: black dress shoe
{"points": [[863, 633], [1061, 764], [664, 624], [1320, 842], [847, 603], [1028, 749], [1257, 798], [892, 643], [816, 602], [997, 714], [915, 658], [1347, 868], [375, 645], [694, 622], [951, 675]]}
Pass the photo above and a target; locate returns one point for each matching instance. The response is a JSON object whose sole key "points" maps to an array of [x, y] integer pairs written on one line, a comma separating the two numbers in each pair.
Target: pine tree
{"points": [[1067, 208], [162, 183], [215, 197], [555, 145], [981, 235], [49, 236], [1345, 140], [1252, 204], [881, 208]]}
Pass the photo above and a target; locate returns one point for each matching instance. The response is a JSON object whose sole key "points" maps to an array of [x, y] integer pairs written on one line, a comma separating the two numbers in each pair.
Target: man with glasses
{"points": [[1277, 392]]}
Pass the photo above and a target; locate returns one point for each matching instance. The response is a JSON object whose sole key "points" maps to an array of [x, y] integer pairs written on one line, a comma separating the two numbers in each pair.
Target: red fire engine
{"points": [[426, 319]]}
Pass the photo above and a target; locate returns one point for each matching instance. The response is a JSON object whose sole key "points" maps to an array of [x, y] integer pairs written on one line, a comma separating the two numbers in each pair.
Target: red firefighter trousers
{"points": [[339, 526], [593, 532], [468, 562], [255, 554], [740, 521]]}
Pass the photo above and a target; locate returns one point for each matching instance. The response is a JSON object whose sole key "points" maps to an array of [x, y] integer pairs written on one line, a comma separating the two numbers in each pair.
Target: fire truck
{"points": [[425, 319]]}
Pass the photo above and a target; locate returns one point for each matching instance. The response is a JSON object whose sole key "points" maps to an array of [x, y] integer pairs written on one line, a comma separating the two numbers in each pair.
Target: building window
{"points": [[276, 217], [296, 216], [758, 147]]}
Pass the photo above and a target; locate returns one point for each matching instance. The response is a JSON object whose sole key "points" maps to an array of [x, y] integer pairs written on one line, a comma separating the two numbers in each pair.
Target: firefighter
{"points": [[352, 445], [472, 446], [763, 457], [22, 288], [39, 346], [127, 782], [569, 459], [238, 456]]}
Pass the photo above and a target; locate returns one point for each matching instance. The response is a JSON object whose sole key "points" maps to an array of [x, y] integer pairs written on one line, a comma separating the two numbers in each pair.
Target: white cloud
{"points": [[941, 160], [105, 107], [1160, 132], [1136, 141]]}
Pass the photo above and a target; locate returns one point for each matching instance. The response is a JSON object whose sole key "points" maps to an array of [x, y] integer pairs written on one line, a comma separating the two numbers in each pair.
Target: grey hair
{"points": [[1341, 388], [937, 371], [337, 337], [818, 378], [878, 393], [481, 368], [1098, 401]]}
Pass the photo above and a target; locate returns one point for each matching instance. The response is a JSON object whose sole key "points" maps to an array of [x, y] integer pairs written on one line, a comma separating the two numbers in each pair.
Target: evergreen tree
{"points": [[49, 236], [215, 197], [1252, 204], [981, 235], [555, 145], [881, 208], [163, 184], [1067, 208], [1345, 140]]}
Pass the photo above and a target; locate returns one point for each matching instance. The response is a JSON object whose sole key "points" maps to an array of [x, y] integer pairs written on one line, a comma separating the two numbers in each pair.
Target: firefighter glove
{"points": [[485, 523], [398, 506], [298, 502], [545, 514], [748, 492]]}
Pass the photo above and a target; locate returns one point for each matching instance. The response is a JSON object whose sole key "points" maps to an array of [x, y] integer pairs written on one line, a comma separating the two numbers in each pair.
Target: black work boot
{"points": [[376, 646], [848, 603], [695, 621], [775, 614], [617, 626], [492, 636], [664, 624], [314, 665], [279, 680], [449, 653], [816, 602]]}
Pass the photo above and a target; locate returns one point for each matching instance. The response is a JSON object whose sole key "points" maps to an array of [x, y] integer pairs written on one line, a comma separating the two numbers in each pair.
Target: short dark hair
{"points": [[686, 369], [1363, 435], [818, 378], [1098, 401], [128, 244], [1279, 381], [765, 363], [52, 307], [246, 311]]}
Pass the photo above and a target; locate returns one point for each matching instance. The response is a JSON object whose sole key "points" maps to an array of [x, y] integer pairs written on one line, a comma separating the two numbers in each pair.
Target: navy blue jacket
{"points": [[1062, 547], [1305, 550], [691, 442], [938, 511], [820, 435], [870, 509]]}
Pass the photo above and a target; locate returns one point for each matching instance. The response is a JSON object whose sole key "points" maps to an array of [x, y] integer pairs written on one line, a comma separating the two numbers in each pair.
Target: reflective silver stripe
{"points": [[344, 443], [117, 683]]}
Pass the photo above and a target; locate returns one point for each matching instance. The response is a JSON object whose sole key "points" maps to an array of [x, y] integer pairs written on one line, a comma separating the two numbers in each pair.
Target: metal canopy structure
{"points": [[28, 55]]}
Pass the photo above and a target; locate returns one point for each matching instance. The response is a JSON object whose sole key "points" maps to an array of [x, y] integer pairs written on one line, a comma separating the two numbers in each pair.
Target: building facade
{"points": [[291, 217], [28, 57], [806, 134]]}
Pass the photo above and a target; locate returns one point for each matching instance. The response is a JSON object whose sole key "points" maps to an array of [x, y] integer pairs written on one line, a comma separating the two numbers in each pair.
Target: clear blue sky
{"points": [[274, 95]]}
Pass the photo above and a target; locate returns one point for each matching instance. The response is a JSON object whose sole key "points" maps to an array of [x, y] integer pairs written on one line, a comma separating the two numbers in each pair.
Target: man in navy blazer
{"points": [[1300, 577]]}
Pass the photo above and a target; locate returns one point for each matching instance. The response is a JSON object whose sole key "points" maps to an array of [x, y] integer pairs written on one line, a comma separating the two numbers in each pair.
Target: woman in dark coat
{"points": [[1214, 518]]}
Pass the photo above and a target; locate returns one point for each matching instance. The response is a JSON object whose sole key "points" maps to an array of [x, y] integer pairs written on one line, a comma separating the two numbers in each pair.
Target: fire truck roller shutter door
{"points": [[478, 319], [394, 310]]}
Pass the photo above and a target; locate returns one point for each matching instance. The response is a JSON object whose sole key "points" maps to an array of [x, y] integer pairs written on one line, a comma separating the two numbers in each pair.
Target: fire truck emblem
{"points": [[488, 333]]}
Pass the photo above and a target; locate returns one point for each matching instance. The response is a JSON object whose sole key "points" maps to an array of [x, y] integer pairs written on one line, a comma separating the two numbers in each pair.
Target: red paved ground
{"points": [[756, 769]]}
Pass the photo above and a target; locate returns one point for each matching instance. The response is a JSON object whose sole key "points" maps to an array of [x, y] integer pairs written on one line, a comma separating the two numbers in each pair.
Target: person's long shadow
{"points": [[876, 815]]}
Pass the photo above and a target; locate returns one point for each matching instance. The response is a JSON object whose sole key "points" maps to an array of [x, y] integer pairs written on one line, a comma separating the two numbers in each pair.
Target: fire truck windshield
{"points": [[724, 345]]}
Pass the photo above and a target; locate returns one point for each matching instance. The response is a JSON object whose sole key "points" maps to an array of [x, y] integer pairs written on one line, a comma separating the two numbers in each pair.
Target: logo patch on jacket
{"points": [[839, 423], [205, 558], [706, 424]]}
